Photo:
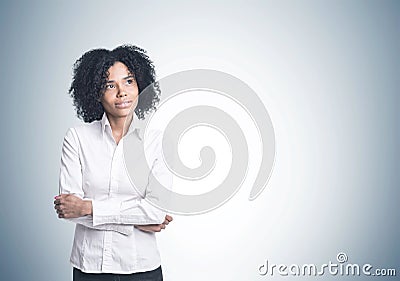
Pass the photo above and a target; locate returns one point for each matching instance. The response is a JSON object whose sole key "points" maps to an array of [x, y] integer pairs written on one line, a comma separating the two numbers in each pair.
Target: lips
{"points": [[123, 104]]}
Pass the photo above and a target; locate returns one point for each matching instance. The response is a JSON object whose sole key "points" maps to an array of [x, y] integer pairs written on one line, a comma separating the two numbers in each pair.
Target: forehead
{"points": [[118, 70]]}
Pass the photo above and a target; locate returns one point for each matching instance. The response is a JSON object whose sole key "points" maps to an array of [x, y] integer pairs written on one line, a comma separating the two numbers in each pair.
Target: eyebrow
{"points": [[125, 78]]}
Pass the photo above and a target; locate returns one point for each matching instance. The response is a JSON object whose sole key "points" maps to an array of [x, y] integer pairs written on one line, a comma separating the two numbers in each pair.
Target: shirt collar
{"points": [[135, 126]]}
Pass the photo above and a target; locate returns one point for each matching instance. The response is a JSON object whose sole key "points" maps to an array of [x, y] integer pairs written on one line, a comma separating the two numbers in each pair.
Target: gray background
{"points": [[328, 73]]}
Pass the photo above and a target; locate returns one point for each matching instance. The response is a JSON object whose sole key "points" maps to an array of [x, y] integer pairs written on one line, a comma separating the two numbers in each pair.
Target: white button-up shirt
{"points": [[92, 168]]}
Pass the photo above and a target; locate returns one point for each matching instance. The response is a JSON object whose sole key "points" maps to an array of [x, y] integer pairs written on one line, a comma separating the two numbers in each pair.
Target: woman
{"points": [[115, 228]]}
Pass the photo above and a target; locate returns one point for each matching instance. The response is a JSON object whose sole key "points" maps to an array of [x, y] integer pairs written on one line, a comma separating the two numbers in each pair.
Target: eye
{"points": [[130, 81], [110, 86]]}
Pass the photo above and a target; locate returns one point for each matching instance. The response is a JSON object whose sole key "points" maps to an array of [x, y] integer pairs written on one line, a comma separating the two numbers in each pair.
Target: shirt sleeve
{"points": [[70, 182], [137, 211]]}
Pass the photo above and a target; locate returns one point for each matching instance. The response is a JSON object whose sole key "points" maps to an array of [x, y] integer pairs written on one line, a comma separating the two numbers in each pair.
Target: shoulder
{"points": [[85, 129]]}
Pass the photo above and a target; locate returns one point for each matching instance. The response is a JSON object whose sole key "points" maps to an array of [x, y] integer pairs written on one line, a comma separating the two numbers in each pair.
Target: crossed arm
{"points": [[69, 206]]}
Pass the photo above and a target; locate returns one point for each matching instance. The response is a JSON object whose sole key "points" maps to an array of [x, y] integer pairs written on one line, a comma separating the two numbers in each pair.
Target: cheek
{"points": [[135, 92], [105, 102]]}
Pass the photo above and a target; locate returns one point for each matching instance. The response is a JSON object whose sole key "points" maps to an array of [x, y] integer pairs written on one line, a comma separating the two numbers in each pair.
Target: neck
{"points": [[119, 126]]}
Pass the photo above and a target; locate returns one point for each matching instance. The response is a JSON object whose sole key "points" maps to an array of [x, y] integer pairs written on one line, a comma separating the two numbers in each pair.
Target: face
{"points": [[121, 92]]}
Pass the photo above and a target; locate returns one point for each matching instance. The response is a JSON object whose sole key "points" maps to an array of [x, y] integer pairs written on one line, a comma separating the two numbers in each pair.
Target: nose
{"points": [[121, 94]]}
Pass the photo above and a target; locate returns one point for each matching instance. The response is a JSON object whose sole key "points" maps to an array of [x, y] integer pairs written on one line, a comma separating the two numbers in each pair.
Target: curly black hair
{"points": [[90, 77]]}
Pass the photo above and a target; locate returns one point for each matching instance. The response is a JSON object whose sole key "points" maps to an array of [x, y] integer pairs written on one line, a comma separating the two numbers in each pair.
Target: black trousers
{"points": [[153, 275]]}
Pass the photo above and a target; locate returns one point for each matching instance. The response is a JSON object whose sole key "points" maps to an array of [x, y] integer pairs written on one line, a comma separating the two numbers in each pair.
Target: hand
{"points": [[155, 227], [71, 206]]}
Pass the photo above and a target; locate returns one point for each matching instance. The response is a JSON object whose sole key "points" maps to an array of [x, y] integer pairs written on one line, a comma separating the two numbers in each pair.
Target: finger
{"points": [[151, 228], [68, 214], [60, 207], [169, 218], [156, 228], [62, 196], [145, 228], [141, 227]]}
